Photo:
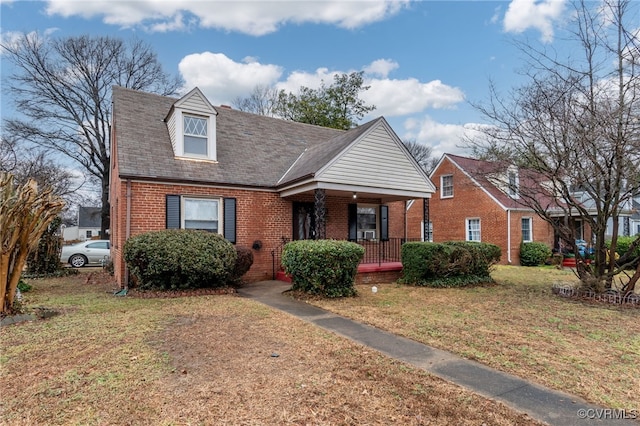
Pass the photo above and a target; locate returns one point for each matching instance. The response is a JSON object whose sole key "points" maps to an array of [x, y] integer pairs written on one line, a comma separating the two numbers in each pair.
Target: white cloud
{"points": [[250, 17], [222, 79], [402, 97], [442, 137], [381, 67], [13, 38], [538, 14]]}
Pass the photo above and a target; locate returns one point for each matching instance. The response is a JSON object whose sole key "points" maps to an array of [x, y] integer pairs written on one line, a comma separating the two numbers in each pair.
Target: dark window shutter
{"points": [[384, 223], [173, 212], [353, 222], [229, 207]]}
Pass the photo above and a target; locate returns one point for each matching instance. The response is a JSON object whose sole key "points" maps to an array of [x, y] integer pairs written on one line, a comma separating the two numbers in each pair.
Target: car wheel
{"points": [[77, 260]]}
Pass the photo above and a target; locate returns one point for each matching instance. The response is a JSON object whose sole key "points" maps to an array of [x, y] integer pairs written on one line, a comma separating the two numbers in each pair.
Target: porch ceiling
{"points": [[361, 192]]}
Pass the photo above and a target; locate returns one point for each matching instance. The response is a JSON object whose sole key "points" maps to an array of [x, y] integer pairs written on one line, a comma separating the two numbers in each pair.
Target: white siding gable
{"points": [[195, 104], [377, 159]]}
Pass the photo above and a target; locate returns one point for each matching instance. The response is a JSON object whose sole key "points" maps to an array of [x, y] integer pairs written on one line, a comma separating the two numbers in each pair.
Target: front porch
{"points": [[381, 261]]}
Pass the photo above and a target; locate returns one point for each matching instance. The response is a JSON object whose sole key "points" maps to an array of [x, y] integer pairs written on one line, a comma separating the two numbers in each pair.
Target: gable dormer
{"points": [[192, 127], [507, 181]]}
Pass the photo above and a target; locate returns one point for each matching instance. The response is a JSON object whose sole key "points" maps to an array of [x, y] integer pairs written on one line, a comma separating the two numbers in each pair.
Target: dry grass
{"points": [[517, 326], [207, 360]]}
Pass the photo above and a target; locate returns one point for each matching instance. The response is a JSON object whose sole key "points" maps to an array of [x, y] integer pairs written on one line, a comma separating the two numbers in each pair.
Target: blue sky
{"points": [[425, 61]]}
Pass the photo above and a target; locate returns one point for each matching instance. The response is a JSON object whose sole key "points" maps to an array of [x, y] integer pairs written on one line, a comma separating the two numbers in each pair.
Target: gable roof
{"points": [[252, 150], [89, 217], [479, 172]]}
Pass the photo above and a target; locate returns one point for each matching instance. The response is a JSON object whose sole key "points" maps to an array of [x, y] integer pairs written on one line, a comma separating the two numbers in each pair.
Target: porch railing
{"points": [[379, 252], [375, 252]]}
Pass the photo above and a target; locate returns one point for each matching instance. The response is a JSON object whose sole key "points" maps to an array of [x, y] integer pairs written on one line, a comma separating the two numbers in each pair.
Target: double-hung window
{"points": [[446, 186], [367, 223], [202, 213], [212, 214], [195, 135], [473, 229], [527, 234]]}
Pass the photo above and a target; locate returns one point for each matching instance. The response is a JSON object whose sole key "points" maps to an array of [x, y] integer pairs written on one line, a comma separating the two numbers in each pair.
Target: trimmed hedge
{"points": [[534, 253], [450, 264], [180, 259], [323, 267]]}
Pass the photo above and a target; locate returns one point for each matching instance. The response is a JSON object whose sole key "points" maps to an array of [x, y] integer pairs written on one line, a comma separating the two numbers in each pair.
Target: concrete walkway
{"points": [[553, 407]]}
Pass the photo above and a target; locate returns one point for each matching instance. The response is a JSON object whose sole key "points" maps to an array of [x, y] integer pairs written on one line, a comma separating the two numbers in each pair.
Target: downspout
{"points": [[127, 231], [509, 236]]}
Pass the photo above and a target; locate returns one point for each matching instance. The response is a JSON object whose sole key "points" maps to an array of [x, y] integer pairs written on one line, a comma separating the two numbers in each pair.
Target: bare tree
{"points": [[262, 101], [63, 88], [423, 154], [574, 126]]}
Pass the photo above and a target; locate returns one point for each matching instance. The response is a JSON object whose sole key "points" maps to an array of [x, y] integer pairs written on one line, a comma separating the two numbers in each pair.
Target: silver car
{"points": [[89, 252]]}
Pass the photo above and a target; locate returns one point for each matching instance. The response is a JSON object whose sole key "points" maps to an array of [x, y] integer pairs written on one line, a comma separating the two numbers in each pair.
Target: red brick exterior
{"points": [[449, 215], [260, 216]]}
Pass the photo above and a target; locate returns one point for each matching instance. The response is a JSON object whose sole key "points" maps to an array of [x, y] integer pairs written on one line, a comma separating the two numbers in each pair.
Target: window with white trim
{"points": [[202, 213], [367, 222], [446, 186], [473, 229], [527, 230], [195, 135], [513, 183]]}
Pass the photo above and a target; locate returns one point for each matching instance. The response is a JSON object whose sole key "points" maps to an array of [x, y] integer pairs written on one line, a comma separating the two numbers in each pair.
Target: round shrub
{"points": [[534, 253], [323, 267], [180, 259]]}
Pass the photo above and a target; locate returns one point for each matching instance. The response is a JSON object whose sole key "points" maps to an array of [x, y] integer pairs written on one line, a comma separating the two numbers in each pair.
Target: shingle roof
{"points": [[89, 217], [252, 150], [480, 170]]}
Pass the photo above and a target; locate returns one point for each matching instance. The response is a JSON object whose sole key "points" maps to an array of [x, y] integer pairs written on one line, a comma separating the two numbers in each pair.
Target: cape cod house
{"points": [[258, 181], [474, 202]]}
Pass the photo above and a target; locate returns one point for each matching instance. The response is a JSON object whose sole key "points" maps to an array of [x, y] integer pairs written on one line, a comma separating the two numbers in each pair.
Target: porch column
{"points": [[425, 218], [320, 211]]}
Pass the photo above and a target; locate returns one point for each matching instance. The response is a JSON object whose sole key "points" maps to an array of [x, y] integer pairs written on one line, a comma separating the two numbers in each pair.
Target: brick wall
{"points": [[260, 216], [449, 216]]}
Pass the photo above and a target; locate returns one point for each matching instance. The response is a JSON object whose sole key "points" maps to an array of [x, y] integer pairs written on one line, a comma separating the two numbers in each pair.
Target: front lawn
{"points": [[517, 326], [207, 360]]}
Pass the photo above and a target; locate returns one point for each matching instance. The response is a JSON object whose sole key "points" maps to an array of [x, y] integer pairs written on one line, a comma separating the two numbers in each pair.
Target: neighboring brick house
{"points": [[257, 180], [473, 203]]}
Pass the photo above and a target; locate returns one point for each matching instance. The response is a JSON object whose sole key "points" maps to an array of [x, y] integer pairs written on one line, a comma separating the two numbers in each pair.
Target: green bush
{"points": [[45, 259], [450, 264], [244, 260], [323, 267], [180, 259], [623, 246], [534, 253]]}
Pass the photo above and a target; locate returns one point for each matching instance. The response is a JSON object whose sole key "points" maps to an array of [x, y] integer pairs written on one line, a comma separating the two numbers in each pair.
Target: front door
{"points": [[304, 223]]}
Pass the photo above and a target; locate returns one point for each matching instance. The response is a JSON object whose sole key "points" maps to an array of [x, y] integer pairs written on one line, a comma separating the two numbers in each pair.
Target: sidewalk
{"points": [[553, 407]]}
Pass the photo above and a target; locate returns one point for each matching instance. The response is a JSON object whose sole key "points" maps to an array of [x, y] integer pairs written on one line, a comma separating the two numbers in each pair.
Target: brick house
{"points": [[258, 181], [474, 201]]}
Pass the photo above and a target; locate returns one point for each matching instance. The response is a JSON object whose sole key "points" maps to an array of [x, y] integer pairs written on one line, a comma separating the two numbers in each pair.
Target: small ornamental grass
{"points": [[180, 259], [323, 267], [450, 264]]}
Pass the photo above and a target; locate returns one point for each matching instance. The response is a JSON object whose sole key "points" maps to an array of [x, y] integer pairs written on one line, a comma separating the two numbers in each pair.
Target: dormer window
{"points": [[191, 123], [513, 182], [195, 135]]}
